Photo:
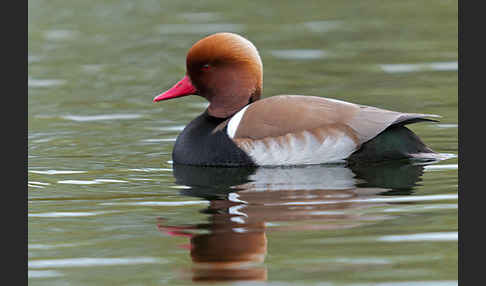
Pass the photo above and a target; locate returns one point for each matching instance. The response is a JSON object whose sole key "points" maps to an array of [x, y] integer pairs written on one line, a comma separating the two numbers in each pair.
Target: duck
{"points": [[240, 128]]}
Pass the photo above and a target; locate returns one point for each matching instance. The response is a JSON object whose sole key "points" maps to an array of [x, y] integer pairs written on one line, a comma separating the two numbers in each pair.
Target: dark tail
{"points": [[394, 143]]}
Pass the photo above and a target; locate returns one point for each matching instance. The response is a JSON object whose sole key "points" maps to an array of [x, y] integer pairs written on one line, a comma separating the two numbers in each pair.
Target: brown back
{"points": [[283, 114]]}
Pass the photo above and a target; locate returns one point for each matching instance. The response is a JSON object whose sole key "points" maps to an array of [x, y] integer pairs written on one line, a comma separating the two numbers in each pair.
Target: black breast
{"points": [[199, 145]]}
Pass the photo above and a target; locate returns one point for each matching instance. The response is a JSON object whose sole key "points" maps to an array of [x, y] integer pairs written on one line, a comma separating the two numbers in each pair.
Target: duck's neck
{"points": [[226, 106], [214, 119]]}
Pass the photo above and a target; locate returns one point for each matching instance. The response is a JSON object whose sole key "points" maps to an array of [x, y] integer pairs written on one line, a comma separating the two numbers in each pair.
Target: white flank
{"points": [[235, 122], [300, 151]]}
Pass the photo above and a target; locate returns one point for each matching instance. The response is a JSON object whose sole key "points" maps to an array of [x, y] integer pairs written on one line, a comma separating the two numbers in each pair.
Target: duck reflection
{"points": [[244, 202]]}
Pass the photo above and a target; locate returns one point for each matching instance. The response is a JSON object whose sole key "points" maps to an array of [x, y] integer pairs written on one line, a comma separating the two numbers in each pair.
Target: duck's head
{"points": [[224, 68]]}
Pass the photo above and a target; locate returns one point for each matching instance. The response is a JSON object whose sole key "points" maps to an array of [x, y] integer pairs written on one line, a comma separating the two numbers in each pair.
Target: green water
{"points": [[107, 207]]}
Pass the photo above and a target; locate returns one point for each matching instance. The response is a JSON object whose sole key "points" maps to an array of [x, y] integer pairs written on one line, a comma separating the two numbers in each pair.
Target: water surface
{"points": [[107, 206]]}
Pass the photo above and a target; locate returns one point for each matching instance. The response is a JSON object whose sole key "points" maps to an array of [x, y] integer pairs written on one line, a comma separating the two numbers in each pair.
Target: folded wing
{"points": [[309, 129]]}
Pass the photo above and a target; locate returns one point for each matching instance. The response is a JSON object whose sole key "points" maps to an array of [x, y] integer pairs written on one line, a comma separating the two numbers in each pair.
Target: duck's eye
{"points": [[205, 67]]}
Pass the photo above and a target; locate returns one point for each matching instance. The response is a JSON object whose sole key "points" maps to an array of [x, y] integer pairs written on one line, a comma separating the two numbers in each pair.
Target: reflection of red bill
{"points": [[174, 230]]}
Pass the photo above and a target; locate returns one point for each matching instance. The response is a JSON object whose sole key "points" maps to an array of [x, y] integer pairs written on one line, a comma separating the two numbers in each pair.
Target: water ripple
{"points": [[44, 82], [156, 204], [322, 26], [43, 274], [92, 182], [200, 16], [37, 184], [451, 125], [78, 182], [60, 34], [56, 172], [431, 236], [410, 283], [437, 66], [376, 200], [156, 140], [150, 170], [442, 167], [65, 214], [302, 54], [169, 29], [85, 118], [91, 261]]}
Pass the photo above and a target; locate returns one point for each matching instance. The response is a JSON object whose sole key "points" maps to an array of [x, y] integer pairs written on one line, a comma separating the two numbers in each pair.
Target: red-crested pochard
{"points": [[240, 129]]}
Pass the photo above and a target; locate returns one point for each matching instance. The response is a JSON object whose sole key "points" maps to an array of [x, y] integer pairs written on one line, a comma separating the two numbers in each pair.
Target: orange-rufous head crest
{"points": [[226, 69]]}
